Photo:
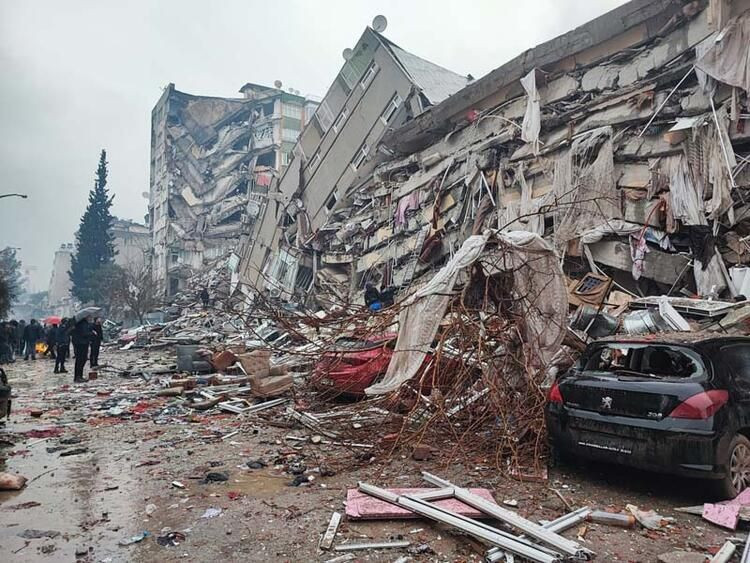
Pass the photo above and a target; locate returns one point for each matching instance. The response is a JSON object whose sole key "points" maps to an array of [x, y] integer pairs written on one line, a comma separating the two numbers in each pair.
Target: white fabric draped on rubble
{"points": [[538, 283]]}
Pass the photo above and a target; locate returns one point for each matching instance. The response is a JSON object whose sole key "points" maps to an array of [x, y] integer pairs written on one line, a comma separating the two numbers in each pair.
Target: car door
{"points": [[734, 360]]}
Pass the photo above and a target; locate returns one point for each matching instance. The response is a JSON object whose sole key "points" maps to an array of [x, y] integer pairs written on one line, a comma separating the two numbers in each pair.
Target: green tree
{"points": [[11, 279], [94, 240]]}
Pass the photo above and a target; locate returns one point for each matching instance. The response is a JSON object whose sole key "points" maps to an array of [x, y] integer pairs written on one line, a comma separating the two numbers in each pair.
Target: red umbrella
{"points": [[53, 320]]}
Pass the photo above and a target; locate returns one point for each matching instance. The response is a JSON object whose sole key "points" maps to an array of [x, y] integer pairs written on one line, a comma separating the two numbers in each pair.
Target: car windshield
{"points": [[650, 360]]}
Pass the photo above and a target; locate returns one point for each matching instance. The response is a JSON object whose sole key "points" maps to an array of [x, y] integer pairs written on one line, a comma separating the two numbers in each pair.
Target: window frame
{"points": [[360, 156], [391, 108], [369, 75], [340, 120]]}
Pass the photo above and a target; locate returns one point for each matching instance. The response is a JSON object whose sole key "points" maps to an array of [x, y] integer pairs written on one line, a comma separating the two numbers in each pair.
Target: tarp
{"points": [[726, 56], [538, 285]]}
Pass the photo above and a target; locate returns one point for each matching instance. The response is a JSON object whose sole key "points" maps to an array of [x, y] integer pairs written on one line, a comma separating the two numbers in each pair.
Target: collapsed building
{"points": [[209, 156], [379, 88], [623, 142]]}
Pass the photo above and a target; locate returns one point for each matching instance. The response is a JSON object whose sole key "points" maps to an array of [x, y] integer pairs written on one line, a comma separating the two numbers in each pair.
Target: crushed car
{"points": [[676, 403]]}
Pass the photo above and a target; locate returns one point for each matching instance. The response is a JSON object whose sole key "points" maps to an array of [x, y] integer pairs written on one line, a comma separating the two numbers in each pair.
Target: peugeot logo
{"points": [[606, 402]]}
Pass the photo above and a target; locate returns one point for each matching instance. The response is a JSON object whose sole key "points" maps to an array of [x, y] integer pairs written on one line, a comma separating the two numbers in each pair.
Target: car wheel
{"points": [[737, 478]]}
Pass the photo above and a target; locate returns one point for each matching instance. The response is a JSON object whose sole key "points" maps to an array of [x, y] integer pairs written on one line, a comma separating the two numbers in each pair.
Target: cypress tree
{"points": [[95, 247]]}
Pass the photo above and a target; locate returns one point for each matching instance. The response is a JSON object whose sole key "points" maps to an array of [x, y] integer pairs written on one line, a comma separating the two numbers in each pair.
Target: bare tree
{"points": [[135, 291]]}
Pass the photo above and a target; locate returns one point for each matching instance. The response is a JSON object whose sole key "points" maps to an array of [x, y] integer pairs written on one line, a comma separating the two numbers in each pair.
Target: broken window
{"points": [[654, 360], [289, 135], [370, 73], [340, 120], [393, 104], [292, 110], [360, 156], [266, 159]]}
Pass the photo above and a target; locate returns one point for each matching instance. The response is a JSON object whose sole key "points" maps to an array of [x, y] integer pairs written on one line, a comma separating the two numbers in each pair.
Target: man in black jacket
{"points": [[62, 342], [81, 337], [96, 342], [31, 334]]}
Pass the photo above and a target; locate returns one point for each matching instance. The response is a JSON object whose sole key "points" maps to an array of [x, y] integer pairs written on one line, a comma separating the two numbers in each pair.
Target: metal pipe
{"points": [[474, 528], [437, 494], [746, 552], [509, 517], [558, 525], [375, 545]]}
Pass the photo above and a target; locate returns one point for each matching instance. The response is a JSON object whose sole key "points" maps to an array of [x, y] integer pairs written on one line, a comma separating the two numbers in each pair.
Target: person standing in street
{"points": [[19, 337], [81, 336], [31, 334], [62, 342], [49, 339], [96, 342]]}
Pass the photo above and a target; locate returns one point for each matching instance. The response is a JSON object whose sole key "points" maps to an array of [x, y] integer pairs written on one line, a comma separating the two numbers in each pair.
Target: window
{"points": [[292, 110], [289, 135], [391, 108], [174, 257], [657, 361], [331, 203], [315, 160], [735, 358], [360, 156], [370, 73], [340, 120], [267, 109], [354, 67], [286, 158], [324, 115]]}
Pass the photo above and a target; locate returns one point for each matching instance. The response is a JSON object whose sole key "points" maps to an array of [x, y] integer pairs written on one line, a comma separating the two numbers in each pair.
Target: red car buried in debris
{"points": [[354, 364]]}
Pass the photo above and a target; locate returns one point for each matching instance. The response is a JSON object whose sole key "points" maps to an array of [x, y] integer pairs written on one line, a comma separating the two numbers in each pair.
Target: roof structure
{"points": [[437, 83]]}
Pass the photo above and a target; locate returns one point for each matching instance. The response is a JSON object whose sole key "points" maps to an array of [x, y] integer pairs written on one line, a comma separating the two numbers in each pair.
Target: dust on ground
{"points": [[131, 454]]}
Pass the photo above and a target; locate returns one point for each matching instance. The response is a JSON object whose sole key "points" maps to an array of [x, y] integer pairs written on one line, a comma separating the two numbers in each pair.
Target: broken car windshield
{"points": [[650, 360]]}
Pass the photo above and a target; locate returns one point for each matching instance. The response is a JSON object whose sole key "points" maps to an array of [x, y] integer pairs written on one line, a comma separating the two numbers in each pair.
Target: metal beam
{"points": [[509, 517], [472, 527], [558, 525]]}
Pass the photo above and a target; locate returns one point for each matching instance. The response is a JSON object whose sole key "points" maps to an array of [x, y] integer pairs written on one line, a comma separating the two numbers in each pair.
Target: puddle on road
{"points": [[72, 497], [259, 484]]}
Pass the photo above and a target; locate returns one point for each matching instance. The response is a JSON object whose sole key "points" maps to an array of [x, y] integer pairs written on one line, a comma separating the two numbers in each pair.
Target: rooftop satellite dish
{"points": [[145, 195], [379, 24], [347, 54], [277, 84]]}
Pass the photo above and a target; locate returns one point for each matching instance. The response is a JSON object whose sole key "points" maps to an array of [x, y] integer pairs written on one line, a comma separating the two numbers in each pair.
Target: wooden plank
{"points": [[333, 526]]}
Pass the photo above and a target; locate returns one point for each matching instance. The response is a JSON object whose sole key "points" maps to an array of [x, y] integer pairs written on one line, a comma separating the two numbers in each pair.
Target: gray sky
{"points": [[78, 76]]}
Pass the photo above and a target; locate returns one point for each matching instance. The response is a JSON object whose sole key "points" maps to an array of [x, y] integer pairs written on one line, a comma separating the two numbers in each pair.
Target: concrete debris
{"points": [[11, 482]]}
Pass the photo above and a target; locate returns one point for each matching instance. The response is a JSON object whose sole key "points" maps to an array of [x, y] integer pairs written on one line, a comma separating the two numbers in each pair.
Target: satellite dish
{"points": [[277, 84], [379, 24], [347, 54], [145, 195]]}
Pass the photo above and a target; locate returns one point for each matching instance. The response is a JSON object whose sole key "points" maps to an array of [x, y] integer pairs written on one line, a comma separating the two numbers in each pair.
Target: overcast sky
{"points": [[79, 76]]}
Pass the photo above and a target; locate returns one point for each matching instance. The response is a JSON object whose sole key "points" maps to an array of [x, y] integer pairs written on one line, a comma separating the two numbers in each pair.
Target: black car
{"points": [[674, 403]]}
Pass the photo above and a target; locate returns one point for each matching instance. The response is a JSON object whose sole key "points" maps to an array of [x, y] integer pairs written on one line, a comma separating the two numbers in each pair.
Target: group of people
{"points": [[17, 338]]}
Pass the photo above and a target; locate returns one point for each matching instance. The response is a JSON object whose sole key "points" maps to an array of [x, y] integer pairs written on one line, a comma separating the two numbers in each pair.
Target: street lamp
{"points": [[23, 196]]}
